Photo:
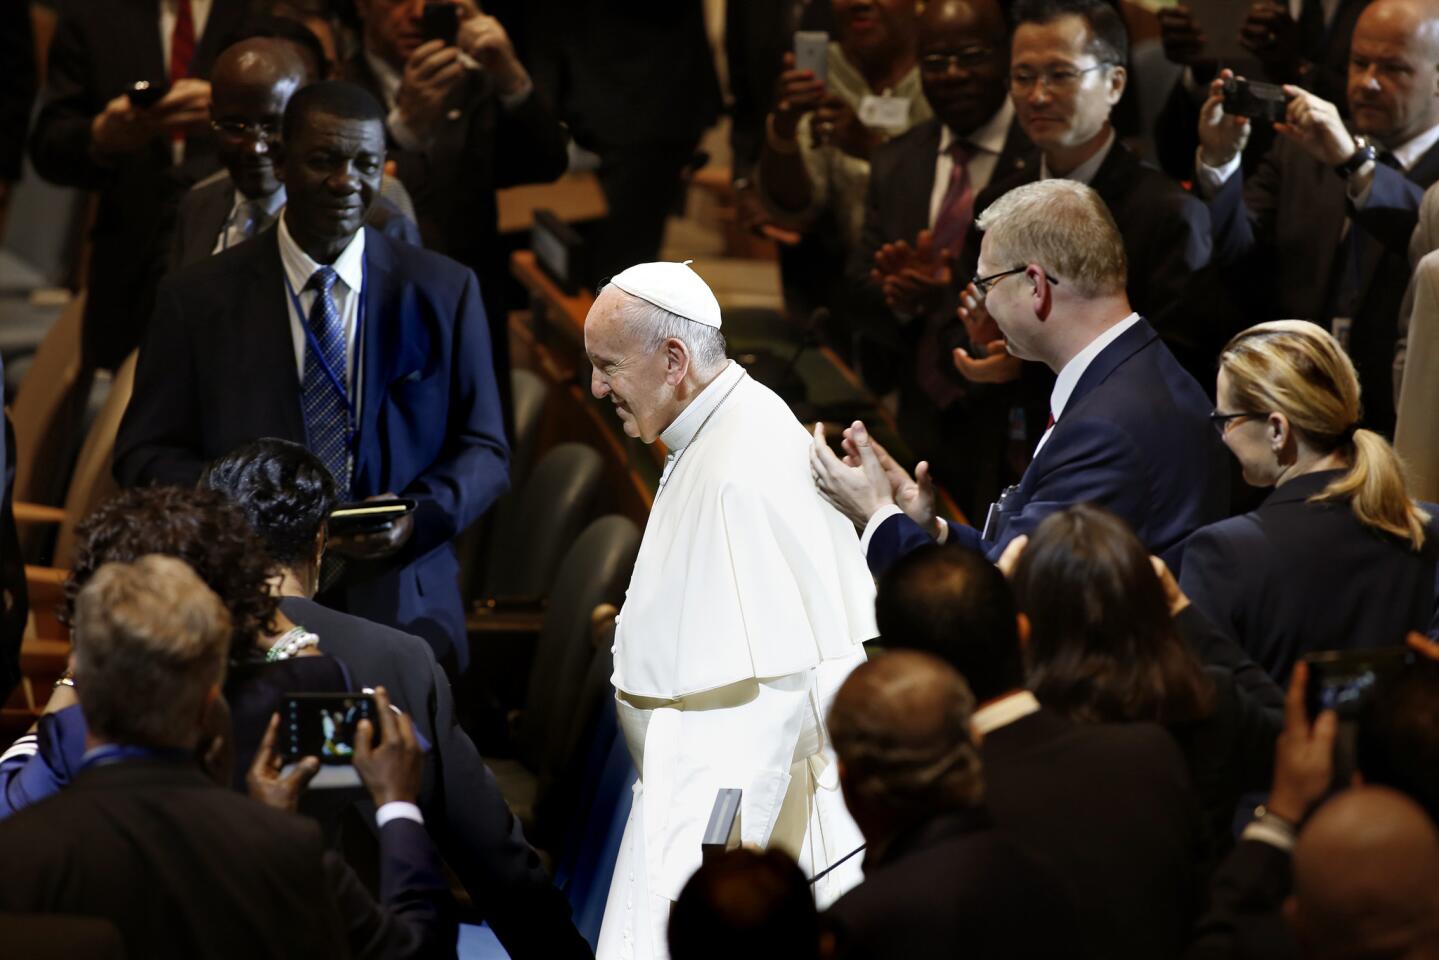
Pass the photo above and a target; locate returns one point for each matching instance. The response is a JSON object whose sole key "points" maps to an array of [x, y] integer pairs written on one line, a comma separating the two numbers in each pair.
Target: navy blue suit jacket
{"points": [[217, 370], [1134, 438]]}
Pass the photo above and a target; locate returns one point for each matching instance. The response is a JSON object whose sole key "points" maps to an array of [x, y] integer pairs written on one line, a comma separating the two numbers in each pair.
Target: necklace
{"points": [[290, 644], [675, 466]]}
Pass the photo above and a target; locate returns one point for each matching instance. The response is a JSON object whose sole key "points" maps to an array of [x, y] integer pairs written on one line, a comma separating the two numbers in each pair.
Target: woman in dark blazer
{"points": [[1110, 641], [1339, 556]]}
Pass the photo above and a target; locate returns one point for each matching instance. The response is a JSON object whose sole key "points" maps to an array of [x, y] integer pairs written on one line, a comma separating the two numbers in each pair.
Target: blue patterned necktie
{"points": [[327, 414]]}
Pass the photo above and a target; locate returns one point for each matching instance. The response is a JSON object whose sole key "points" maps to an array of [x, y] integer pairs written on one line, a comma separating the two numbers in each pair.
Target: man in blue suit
{"points": [[372, 353], [1128, 426]]}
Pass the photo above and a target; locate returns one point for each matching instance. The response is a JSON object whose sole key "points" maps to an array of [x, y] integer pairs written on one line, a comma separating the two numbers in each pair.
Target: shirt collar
{"points": [[1409, 152], [1068, 378], [299, 268], [387, 77], [678, 434], [270, 205], [1085, 172], [1004, 711], [988, 136], [1302, 487]]}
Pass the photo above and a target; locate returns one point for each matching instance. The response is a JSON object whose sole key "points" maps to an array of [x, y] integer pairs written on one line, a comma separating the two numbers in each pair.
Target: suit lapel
{"points": [[269, 310], [917, 173], [1128, 343], [1018, 153], [1115, 176]]}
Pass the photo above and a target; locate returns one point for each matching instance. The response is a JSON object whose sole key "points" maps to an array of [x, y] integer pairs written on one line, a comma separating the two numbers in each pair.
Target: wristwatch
{"points": [[1364, 152]]}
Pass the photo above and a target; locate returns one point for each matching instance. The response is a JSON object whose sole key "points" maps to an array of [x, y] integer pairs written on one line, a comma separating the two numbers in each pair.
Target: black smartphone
{"points": [[1345, 681], [1258, 101], [368, 516], [440, 21], [323, 725], [146, 93]]}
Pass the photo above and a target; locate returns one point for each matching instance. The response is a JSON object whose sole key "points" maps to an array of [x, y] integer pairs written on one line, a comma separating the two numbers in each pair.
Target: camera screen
{"points": [[1343, 681], [323, 725]]}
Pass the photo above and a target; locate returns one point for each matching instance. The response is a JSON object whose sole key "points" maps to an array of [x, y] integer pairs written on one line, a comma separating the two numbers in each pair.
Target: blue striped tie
{"points": [[327, 415]]}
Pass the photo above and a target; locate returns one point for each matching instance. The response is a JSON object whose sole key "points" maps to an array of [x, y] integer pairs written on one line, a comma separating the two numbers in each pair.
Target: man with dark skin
{"points": [[938, 878], [372, 353]]}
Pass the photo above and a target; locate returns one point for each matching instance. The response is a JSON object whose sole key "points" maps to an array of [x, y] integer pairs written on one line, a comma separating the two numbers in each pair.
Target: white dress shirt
{"points": [[350, 266], [987, 143], [1004, 711], [1068, 378], [1085, 171]]}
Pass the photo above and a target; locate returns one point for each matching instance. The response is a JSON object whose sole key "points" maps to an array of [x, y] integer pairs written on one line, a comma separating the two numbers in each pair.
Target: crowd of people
{"points": [[1122, 704]]}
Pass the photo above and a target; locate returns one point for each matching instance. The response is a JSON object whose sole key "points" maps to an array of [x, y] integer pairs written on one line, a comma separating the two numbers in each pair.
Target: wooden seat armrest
{"points": [[26, 512], [46, 586]]}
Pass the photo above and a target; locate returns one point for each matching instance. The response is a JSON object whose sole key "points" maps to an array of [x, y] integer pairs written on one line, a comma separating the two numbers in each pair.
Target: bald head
{"points": [[250, 85], [1366, 879], [900, 725], [1394, 70]]}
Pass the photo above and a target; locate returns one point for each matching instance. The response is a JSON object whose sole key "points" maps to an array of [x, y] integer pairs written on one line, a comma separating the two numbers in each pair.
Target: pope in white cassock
{"points": [[749, 604]]}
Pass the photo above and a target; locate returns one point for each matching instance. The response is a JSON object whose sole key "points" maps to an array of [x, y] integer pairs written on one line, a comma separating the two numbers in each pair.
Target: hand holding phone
{"points": [[1303, 754], [392, 768]]}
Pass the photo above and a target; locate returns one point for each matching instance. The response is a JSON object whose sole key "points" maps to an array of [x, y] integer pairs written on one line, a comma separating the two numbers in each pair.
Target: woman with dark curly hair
{"points": [[1105, 647], [269, 655]]}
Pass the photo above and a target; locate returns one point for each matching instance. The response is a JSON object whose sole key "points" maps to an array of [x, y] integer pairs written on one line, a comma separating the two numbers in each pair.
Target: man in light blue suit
{"points": [[372, 353], [1129, 428]]}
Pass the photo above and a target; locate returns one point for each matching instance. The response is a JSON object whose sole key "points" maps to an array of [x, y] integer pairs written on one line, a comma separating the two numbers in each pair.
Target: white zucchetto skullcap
{"points": [[673, 287]]}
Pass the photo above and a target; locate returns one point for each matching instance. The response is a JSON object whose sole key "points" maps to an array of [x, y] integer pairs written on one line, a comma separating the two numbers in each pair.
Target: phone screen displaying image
{"points": [[323, 725]]}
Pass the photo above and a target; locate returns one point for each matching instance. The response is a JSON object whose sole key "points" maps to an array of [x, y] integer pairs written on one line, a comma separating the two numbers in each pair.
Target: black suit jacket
{"points": [[185, 868], [1245, 919], [955, 887], [217, 370], [100, 48], [1294, 576], [1110, 809], [1279, 234], [1166, 244], [463, 807]]}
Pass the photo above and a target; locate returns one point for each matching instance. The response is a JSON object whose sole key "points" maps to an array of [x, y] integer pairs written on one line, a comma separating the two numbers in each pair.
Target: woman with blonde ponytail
{"points": [[1339, 555]]}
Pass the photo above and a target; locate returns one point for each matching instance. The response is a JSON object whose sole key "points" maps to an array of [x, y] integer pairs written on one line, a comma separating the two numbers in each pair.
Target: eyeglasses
{"points": [[986, 284], [1058, 80], [241, 130], [1221, 421], [966, 59]]}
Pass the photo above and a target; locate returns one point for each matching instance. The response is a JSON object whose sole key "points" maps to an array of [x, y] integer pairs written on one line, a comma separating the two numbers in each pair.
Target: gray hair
{"points": [[1064, 227], [654, 325]]}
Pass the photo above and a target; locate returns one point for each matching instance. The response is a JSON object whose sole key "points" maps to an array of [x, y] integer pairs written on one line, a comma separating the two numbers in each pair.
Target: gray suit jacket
{"points": [[206, 206]]}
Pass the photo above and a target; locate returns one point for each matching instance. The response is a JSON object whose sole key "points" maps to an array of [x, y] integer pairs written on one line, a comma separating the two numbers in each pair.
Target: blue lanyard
{"points": [[118, 753], [313, 345]]}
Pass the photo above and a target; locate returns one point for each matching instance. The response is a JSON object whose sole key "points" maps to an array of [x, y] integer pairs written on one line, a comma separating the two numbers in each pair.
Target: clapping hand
{"points": [[913, 278], [868, 478], [991, 362]]}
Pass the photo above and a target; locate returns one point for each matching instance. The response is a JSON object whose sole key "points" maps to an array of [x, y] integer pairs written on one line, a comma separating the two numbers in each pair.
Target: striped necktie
{"points": [[324, 397]]}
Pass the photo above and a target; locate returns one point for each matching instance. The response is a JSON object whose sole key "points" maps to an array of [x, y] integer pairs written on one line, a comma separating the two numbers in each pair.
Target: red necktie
{"points": [[1049, 423], [182, 42], [956, 210]]}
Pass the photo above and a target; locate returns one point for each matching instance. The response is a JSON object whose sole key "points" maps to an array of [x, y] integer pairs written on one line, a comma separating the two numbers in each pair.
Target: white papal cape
{"points": [[749, 604]]}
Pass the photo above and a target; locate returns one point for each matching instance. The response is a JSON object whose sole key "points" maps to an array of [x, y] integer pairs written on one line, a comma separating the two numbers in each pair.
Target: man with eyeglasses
{"points": [[918, 212], [1321, 230], [1066, 75], [1128, 427], [250, 86]]}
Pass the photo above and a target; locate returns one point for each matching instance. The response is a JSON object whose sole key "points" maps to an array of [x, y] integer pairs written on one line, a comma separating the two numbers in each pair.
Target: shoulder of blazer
{"points": [[1111, 359], [922, 139]]}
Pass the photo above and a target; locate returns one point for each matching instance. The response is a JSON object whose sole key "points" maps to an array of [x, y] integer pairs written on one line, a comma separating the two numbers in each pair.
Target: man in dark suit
{"points": [[1321, 230], [1108, 806], [939, 880], [463, 121], [375, 354], [1129, 427], [920, 204], [252, 82], [636, 83], [90, 134], [180, 865], [286, 493], [1066, 75]]}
